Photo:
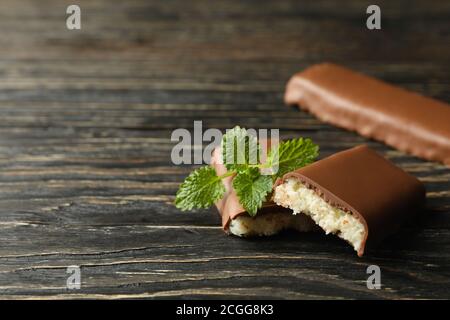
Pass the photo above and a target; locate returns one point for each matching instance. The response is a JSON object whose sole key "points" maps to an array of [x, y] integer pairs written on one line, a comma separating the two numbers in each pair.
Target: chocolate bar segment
{"points": [[269, 220], [356, 194], [405, 120]]}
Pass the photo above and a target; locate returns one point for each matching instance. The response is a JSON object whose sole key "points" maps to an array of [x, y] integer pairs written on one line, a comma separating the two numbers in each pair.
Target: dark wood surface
{"points": [[86, 118]]}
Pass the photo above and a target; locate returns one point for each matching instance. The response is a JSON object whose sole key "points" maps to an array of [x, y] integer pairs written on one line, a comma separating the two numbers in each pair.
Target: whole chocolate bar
{"points": [[402, 119], [269, 220], [356, 194]]}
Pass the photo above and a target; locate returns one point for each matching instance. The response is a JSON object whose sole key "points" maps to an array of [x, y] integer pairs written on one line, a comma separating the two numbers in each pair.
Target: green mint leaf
{"points": [[239, 149], [200, 189], [252, 189], [291, 155]]}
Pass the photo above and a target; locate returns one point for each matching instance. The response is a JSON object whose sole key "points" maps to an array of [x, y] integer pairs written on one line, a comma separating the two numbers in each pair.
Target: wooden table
{"points": [[86, 119]]}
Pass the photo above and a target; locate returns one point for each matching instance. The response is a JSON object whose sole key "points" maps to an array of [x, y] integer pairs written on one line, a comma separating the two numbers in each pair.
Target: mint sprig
{"points": [[241, 156]]}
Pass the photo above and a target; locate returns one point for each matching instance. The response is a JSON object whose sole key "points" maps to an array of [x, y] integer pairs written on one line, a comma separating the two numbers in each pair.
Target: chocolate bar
{"points": [[269, 220], [404, 120], [356, 194]]}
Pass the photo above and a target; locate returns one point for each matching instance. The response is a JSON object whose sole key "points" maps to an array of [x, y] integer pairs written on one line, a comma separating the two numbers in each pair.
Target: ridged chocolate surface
{"points": [[402, 119]]}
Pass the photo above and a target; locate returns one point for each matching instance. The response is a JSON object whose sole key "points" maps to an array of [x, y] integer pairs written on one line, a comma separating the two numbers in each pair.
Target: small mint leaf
{"points": [[199, 190], [239, 149], [252, 189], [292, 154]]}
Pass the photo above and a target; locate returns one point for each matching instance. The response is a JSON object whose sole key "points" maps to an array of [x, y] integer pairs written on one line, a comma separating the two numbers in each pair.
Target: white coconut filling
{"points": [[295, 195], [268, 224]]}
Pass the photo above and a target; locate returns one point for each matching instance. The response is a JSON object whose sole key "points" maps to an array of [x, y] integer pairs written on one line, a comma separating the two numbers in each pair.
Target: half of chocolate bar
{"points": [[402, 119], [269, 220], [356, 194]]}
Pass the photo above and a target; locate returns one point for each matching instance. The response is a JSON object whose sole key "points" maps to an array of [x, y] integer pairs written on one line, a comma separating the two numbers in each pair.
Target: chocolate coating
{"points": [[375, 109], [363, 183]]}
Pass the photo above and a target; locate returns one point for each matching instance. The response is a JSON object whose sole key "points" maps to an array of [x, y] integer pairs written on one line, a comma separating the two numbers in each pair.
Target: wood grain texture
{"points": [[86, 118]]}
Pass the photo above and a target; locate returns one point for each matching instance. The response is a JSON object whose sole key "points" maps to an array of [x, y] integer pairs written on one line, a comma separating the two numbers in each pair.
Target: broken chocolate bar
{"points": [[356, 194], [270, 219], [375, 109]]}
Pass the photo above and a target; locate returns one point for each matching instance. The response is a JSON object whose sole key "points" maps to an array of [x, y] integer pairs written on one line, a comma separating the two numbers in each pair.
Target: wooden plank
{"points": [[86, 119]]}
